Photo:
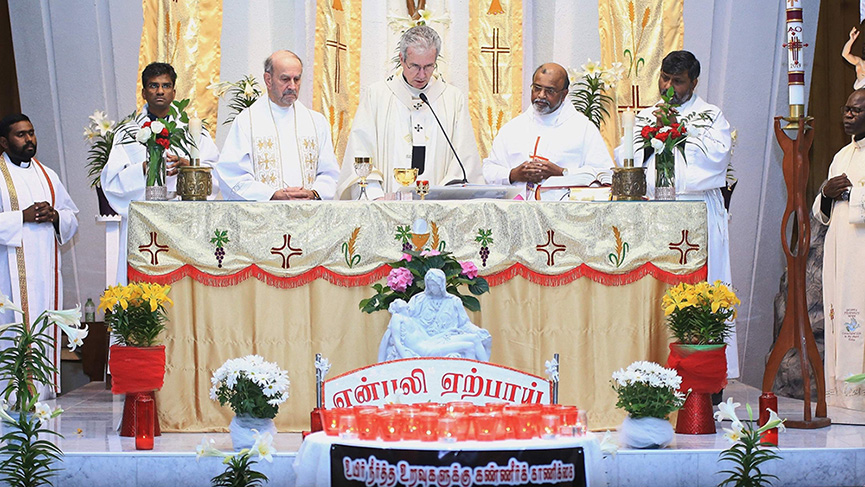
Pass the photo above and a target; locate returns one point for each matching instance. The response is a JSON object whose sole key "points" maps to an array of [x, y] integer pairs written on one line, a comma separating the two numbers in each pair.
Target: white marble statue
{"points": [[433, 324]]}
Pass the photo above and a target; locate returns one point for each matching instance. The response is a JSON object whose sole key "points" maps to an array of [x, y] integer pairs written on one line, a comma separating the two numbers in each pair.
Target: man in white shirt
{"points": [[278, 149], [123, 178], [36, 217], [547, 139], [397, 129]]}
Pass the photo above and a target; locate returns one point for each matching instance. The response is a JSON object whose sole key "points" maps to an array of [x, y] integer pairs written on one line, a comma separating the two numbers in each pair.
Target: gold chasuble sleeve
{"points": [[186, 35], [638, 34], [495, 60], [337, 66]]}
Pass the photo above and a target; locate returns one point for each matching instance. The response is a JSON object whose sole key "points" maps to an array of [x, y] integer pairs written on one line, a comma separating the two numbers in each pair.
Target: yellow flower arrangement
{"points": [[136, 312], [700, 313]]}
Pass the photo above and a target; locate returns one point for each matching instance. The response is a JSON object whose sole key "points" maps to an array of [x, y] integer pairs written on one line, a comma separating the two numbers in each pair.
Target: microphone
{"points": [[464, 180]]}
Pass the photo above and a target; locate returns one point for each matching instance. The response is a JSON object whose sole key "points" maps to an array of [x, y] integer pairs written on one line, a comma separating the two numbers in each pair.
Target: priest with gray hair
{"points": [[395, 125]]}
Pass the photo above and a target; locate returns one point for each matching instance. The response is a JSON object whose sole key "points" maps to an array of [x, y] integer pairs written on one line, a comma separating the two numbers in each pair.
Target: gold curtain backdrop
{"points": [[598, 323], [638, 34], [496, 59], [337, 66], [186, 35]]}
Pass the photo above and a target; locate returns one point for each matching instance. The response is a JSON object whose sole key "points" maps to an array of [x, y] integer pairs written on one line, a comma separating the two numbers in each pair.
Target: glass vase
{"points": [[155, 188], [665, 176]]}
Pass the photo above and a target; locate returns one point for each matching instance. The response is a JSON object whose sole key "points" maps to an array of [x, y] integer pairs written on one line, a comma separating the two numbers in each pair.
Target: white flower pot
{"points": [[241, 430], [645, 432]]}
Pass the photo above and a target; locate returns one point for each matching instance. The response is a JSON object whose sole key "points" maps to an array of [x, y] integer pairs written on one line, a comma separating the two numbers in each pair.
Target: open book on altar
{"points": [[471, 192], [582, 184]]}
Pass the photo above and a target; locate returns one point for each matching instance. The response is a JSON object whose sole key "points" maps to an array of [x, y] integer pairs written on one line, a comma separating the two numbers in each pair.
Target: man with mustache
{"points": [[547, 139], [703, 171], [397, 129], [124, 176], [277, 149], [840, 203], [36, 217]]}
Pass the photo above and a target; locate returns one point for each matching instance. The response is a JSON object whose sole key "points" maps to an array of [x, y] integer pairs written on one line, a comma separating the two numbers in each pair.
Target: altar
{"points": [[283, 280]]}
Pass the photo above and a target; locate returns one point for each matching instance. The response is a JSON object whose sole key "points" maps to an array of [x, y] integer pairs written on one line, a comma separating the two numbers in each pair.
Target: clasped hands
{"points": [[40, 212], [535, 170], [293, 193]]}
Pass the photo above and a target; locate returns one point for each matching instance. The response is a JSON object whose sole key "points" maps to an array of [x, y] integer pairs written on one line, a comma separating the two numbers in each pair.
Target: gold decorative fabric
{"points": [[186, 35], [337, 66], [496, 60], [346, 242], [596, 329], [638, 34]]}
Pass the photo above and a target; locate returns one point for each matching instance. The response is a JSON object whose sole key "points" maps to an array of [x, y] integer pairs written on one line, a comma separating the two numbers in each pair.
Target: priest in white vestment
{"points": [[278, 149], [840, 204], [123, 177], [701, 177], [547, 139], [36, 217], [397, 129]]}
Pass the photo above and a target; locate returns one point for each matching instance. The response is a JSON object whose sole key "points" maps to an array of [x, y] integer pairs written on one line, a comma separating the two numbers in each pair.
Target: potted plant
{"points": [[590, 88], [135, 314], [254, 388], [27, 454], [699, 317], [406, 279], [241, 94], [100, 132], [749, 449], [239, 471], [649, 393]]}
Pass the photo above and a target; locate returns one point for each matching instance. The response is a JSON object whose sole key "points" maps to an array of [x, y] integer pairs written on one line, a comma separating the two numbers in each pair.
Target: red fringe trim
{"points": [[379, 273]]}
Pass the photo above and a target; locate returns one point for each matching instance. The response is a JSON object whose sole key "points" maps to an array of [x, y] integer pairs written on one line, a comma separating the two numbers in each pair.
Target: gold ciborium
{"points": [[194, 183], [405, 176]]}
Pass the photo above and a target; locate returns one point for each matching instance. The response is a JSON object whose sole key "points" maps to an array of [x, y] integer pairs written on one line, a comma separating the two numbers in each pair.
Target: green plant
{"points": [[241, 94], [647, 390], [589, 92], [252, 386], [406, 279], [239, 472], [135, 312], [748, 452], [28, 455], [699, 314], [100, 132]]}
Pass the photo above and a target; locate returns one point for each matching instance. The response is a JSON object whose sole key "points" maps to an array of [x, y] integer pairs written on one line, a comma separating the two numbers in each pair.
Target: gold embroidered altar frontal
{"points": [[563, 282]]}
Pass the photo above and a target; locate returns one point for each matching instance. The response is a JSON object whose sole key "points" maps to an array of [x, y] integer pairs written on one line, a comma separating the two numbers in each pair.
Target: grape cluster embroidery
{"points": [[485, 238], [220, 240]]}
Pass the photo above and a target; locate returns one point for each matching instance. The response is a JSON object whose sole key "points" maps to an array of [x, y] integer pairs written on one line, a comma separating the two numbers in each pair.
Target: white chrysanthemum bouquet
{"points": [[647, 390], [252, 386]]}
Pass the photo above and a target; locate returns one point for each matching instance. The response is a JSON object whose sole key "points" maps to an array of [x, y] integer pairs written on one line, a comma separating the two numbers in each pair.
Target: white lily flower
{"points": [[657, 145], [425, 17], [591, 68], [6, 303], [89, 133], [727, 410], [206, 449], [4, 406], [219, 89], [735, 434], [66, 317], [143, 135], [248, 89], [774, 422], [608, 446], [43, 412], [157, 126], [263, 446]]}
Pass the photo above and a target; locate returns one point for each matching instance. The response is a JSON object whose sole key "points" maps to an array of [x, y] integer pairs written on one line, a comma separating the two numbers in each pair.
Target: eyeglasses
{"points": [[414, 68], [545, 90], [853, 110], [156, 86]]}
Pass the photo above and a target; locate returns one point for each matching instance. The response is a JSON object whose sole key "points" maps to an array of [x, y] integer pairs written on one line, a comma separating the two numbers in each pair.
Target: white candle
{"points": [[194, 129], [628, 119]]}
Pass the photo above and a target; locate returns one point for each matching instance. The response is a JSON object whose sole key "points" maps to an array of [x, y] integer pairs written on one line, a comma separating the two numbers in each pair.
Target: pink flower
{"points": [[399, 279], [406, 257], [430, 253], [470, 270]]}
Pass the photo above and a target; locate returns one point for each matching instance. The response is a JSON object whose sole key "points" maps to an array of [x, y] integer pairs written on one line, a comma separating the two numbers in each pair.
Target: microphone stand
{"points": [[464, 180]]}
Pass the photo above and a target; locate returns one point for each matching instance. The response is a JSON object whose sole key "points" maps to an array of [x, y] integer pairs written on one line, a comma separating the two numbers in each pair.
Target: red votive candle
{"points": [[768, 401], [144, 427]]}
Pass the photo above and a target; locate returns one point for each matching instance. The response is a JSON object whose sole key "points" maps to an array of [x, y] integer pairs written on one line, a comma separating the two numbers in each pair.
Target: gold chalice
{"points": [[363, 168], [422, 189], [405, 176]]}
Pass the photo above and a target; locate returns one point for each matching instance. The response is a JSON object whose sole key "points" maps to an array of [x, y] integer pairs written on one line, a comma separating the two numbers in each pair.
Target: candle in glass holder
{"points": [[347, 424], [447, 429], [549, 426], [367, 424], [485, 425], [463, 425], [427, 422], [408, 417], [144, 422], [330, 420], [388, 427]]}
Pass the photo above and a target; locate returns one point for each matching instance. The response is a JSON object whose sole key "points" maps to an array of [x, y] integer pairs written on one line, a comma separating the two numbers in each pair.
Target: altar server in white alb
{"points": [[397, 129], [36, 217], [841, 205], [547, 139], [123, 178], [702, 176], [278, 149]]}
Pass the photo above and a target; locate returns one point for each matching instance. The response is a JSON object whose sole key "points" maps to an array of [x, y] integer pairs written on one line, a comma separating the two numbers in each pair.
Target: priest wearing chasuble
{"points": [[123, 178], [277, 149], [397, 129], [840, 203], [36, 217], [547, 139]]}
